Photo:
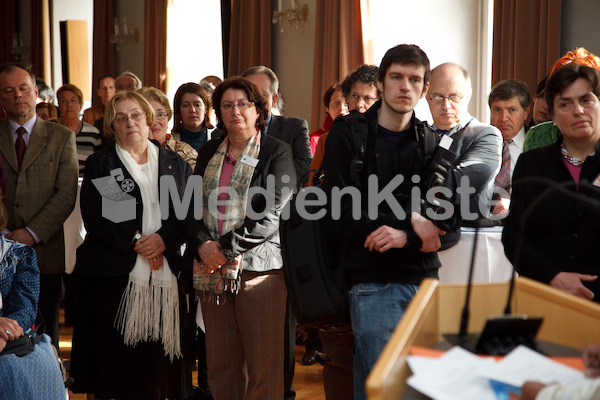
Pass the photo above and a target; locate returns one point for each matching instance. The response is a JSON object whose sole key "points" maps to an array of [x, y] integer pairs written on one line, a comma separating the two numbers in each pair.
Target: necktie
{"points": [[441, 132], [503, 177], [20, 145]]}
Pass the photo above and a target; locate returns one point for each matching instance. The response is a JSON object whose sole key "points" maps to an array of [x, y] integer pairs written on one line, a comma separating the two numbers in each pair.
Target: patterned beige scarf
{"points": [[227, 278]]}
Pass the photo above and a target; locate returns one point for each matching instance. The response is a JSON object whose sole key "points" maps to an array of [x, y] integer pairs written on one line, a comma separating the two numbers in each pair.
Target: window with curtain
{"points": [[464, 38]]}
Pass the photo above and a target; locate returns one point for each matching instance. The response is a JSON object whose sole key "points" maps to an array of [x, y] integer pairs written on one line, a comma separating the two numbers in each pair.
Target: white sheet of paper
{"points": [[523, 364], [451, 376], [462, 375]]}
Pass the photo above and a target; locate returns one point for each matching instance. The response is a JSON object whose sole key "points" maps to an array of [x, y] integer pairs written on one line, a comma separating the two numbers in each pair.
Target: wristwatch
{"points": [[136, 237]]}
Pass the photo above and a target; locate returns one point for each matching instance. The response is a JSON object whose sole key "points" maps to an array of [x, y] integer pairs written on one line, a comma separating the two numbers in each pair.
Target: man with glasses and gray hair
{"points": [[477, 146]]}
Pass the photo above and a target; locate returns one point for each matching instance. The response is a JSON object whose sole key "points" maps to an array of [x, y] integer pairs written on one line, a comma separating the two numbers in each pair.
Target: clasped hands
{"points": [[151, 248], [385, 237], [212, 256]]}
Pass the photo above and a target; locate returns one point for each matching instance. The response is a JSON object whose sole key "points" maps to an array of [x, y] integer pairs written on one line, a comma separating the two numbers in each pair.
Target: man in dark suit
{"points": [[293, 131], [477, 146], [40, 166]]}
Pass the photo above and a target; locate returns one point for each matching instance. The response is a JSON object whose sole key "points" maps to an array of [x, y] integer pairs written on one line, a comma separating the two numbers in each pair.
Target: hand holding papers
{"points": [[459, 374]]}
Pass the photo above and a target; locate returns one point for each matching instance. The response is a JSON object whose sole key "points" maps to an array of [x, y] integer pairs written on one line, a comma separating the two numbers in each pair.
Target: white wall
{"points": [[63, 10]]}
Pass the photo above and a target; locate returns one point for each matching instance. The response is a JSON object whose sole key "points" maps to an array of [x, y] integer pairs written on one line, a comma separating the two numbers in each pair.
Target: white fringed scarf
{"points": [[149, 308]]}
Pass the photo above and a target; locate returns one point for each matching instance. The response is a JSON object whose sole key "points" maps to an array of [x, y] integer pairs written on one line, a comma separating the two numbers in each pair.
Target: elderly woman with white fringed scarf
{"points": [[127, 339], [248, 177]]}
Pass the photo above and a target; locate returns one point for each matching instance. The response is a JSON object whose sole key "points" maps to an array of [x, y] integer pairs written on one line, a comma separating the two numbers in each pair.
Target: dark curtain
{"points": [[526, 39], [250, 35], [225, 32], [338, 50], [104, 62], [155, 44], [8, 26], [37, 38]]}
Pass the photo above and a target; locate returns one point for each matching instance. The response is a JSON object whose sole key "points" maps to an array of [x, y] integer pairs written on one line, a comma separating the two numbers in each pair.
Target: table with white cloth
{"points": [[491, 265]]}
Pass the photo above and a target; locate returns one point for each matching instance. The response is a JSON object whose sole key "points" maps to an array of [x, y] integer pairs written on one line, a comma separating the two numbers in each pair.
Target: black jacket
{"points": [[294, 131], [388, 159], [561, 234], [107, 249]]}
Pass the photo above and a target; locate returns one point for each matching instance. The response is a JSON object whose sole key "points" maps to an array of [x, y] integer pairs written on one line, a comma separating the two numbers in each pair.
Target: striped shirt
{"points": [[88, 141]]}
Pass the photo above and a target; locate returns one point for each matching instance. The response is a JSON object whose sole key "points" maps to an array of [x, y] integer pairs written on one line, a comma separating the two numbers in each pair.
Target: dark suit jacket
{"points": [[478, 149], [294, 131], [560, 233], [42, 194], [107, 249]]}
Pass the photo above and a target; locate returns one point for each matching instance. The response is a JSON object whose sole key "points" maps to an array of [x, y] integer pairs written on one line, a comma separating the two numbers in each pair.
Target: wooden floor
{"points": [[308, 379]]}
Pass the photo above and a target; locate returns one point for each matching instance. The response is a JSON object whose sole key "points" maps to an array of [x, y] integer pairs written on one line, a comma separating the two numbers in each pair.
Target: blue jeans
{"points": [[375, 309]]}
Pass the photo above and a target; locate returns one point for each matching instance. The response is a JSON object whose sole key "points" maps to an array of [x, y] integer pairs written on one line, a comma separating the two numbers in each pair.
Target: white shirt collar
{"points": [[27, 125]]}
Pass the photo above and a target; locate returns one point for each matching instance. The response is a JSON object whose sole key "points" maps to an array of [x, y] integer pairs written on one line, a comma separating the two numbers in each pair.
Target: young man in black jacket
{"points": [[389, 246]]}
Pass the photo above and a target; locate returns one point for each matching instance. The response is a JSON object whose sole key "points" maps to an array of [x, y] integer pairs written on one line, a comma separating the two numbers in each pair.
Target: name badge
{"points": [[446, 142], [251, 161]]}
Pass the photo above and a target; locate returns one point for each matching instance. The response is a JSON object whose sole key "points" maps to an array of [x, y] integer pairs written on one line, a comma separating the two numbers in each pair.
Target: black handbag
{"points": [[22, 346]]}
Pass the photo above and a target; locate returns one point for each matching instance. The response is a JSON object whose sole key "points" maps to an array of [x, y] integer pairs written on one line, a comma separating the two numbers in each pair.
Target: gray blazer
{"points": [[478, 148], [42, 194]]}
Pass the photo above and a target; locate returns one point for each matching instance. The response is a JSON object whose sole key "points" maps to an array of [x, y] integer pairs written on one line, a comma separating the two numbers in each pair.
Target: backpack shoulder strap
{"points": [[359, 128], [428, 139]]}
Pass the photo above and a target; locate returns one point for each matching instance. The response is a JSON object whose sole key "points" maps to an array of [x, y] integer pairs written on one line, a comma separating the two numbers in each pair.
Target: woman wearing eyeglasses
{"points": [[236, 248], [192, 123], [552, 230], [162, 110], [126, 338], [87, 138]]}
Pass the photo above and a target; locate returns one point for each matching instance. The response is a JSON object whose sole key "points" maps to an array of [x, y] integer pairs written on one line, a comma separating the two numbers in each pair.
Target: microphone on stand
{"points": [[464, 320], [500, 334]]}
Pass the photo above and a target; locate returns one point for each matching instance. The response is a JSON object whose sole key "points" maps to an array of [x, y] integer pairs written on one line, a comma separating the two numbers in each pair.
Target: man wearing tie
{"points": [[477, 146], [40, 167], [510, 102]]}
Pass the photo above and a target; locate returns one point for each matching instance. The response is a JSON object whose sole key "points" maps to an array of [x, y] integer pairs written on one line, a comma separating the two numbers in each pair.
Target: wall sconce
{"points": [[124, 35], [17, 46], [296, 16]]}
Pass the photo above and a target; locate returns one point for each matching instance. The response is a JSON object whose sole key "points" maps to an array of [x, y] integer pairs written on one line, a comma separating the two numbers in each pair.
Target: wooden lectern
{"points": [[436, 310]]}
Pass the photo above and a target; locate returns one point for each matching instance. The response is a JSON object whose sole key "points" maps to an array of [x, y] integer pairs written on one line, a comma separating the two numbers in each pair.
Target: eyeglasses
{"points": [[241, 105], [366, 99], [65, 101], [454, 99], [336, 104], [121, 119], [161, 116], [587, 102]]}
